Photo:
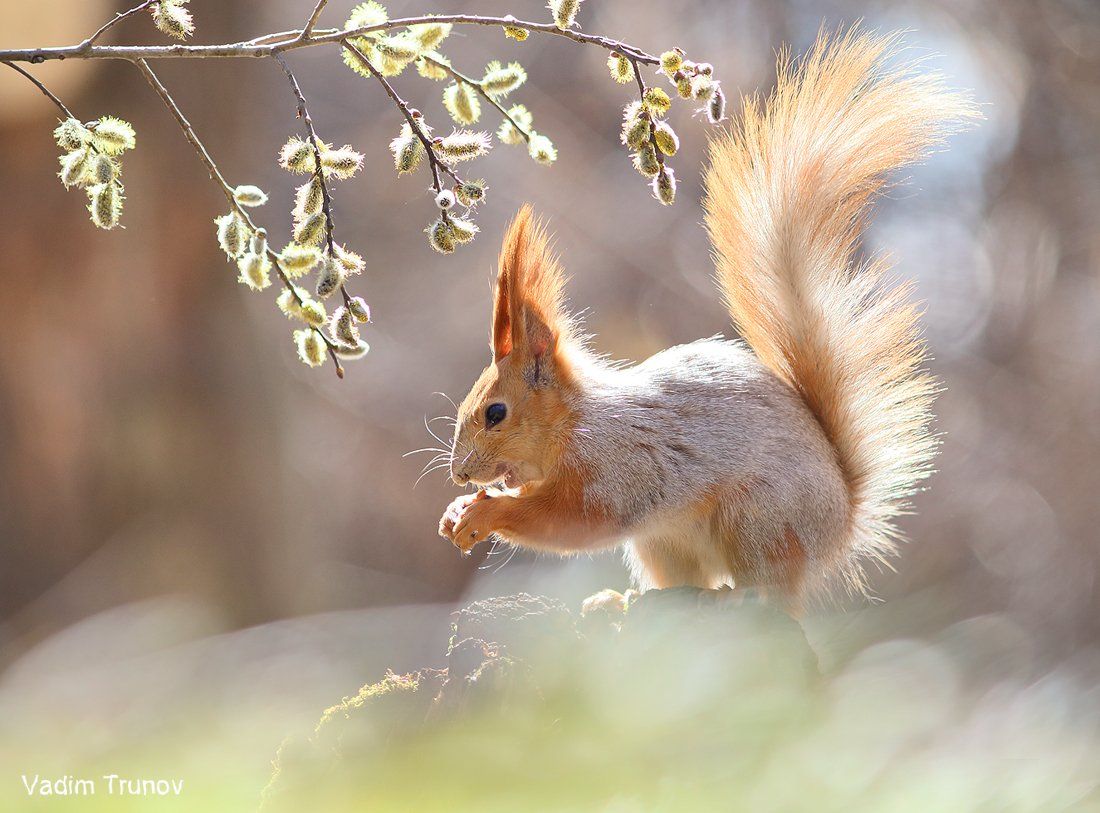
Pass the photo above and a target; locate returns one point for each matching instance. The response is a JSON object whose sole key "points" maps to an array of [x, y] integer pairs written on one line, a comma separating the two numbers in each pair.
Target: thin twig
{"points": [[652, 124], [189, 132], [263, 47], [118, 18], [480, 88], [229, 191], [319, 170], [45, 90], [638, 78], [307, 32], [433, 160], [315, 142]]}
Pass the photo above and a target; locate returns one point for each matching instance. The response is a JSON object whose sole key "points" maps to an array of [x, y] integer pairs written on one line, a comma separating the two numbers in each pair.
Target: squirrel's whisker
{"points": [[427, 425], [515, 550], [449, 400], [440, 467], [427, 449], [436, 461]]}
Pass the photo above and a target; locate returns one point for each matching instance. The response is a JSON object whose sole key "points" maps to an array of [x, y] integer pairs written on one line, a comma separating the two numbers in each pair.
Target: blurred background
{"points": [[186, 511]]}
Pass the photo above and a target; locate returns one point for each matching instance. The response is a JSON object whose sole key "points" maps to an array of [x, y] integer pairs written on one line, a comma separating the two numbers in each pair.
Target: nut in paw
{"points": [[474, 526], [456, 524]]}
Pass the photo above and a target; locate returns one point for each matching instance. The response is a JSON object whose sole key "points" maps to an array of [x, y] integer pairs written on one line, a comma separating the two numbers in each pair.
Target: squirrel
{"points": [[779, 462]]}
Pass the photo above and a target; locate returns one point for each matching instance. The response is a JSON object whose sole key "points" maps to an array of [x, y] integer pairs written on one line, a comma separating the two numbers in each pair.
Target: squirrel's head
{"points": [[512, 424]]}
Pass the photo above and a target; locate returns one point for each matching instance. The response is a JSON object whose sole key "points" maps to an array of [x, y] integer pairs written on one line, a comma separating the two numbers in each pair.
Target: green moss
{"points": [[390, 684]]}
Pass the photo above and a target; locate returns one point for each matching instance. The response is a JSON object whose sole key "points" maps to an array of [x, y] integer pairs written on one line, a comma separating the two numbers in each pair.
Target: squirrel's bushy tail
{"points": [[788, 192]]}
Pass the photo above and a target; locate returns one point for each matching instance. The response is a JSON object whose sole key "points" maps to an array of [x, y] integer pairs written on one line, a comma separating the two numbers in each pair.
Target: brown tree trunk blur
{"points": [[139, 459]]}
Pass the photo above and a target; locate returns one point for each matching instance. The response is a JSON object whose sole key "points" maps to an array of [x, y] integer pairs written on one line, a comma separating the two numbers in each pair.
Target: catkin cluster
{"points": [[91, 161], [312, 249], [645, 132], [92, 151]]}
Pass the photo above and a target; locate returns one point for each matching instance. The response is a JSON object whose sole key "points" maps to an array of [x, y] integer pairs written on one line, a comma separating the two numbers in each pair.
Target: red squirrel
{"points": [[780, 462]]}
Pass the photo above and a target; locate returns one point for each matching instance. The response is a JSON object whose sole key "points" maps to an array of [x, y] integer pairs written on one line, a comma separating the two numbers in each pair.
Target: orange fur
{"points": [[550, 515], [531, 374], [788, 193]]}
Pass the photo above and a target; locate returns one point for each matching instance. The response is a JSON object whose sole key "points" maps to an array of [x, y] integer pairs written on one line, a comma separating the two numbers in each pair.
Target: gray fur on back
{"points": [[698, 419]]}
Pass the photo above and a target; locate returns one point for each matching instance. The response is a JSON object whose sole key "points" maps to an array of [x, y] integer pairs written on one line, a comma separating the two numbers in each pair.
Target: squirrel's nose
{"points": [[460, 477]]}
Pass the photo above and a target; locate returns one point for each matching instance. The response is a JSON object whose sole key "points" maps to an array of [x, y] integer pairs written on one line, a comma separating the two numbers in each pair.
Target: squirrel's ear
{"points": [[501, 340], [529, 313]]}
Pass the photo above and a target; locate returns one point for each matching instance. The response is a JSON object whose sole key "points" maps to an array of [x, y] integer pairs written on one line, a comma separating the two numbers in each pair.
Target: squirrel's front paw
{"points": [[453, 524]]}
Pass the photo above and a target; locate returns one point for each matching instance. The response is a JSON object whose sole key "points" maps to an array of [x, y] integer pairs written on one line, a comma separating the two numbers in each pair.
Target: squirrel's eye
{"points": [[494, 414]]}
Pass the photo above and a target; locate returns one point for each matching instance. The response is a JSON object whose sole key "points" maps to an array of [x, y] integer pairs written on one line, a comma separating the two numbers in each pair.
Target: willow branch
{"points": [[227, 190], [45, 90], [479, 86], [263, 46]]}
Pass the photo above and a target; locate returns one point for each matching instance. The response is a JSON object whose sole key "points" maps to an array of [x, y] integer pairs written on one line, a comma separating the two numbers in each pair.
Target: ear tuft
{"points": [[529, 304]]}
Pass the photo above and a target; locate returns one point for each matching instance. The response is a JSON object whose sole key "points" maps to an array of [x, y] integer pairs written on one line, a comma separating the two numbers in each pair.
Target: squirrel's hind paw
{"points": [[608, 601]]}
